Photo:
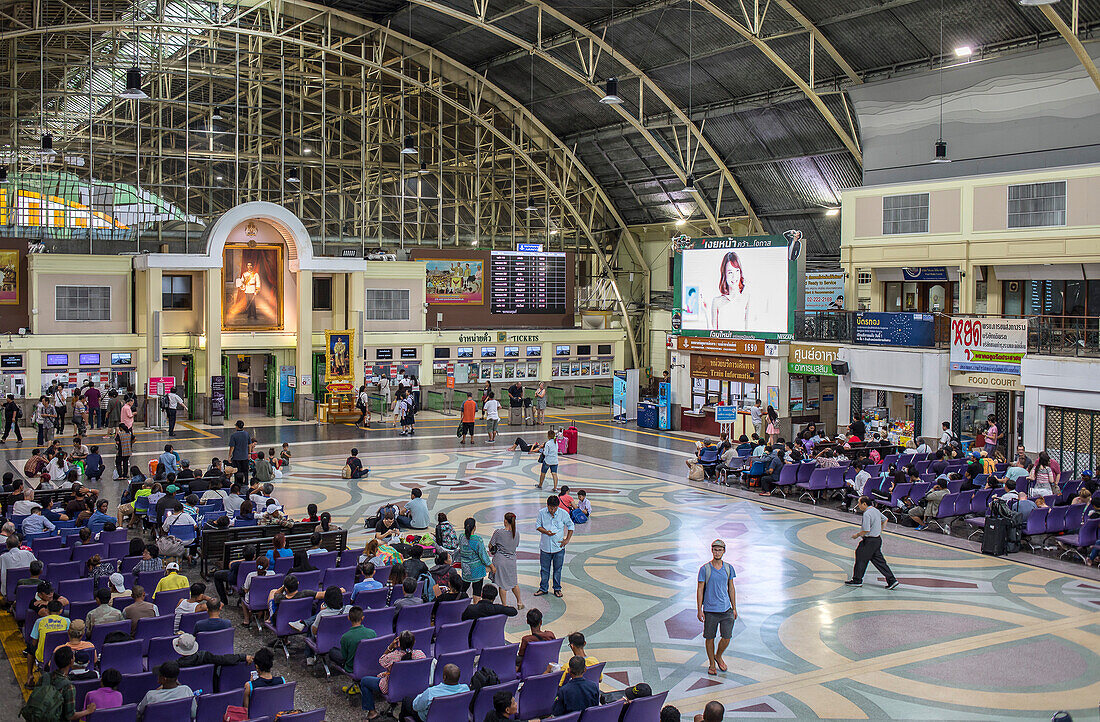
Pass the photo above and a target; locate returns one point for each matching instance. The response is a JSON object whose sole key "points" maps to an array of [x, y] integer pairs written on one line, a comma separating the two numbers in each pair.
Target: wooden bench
{"points": [[45, 497], [212, 541]]}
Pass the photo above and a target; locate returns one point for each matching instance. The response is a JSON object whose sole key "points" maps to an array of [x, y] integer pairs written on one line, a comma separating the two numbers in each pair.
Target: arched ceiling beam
{"points": [[374, 64], [820, 39], [778, 62], [1074, 42], [589, 55]]}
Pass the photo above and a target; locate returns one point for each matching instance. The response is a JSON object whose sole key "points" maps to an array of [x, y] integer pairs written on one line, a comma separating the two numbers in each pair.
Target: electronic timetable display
{"points": [[527, 282]]}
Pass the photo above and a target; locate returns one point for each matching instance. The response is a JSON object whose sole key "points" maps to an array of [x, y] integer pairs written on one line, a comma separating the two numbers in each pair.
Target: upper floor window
{"points": [[82, 303], [385, 304], [322, 293], [175, 293], [905, 214], [1035, 205]]}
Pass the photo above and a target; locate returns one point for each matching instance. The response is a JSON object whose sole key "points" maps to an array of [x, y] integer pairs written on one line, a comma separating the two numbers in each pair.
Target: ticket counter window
{"points": [[711, 392]]}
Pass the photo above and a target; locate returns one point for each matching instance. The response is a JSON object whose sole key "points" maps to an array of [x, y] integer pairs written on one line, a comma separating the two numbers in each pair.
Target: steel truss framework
{"points": [[244, 97]]}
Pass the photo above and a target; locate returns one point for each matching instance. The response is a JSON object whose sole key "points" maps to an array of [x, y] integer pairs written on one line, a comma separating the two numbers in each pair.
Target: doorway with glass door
{"points": [[251, 384]]}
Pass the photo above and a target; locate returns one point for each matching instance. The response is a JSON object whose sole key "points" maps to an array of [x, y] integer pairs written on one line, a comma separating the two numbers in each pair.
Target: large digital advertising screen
{"points": [[736, 286]]}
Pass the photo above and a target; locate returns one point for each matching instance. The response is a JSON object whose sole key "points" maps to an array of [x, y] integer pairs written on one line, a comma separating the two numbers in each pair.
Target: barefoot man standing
{"points": [[717, 603]]}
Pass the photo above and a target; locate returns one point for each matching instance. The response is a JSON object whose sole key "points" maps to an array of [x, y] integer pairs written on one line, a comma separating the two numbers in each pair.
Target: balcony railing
{"points": [[824, 326]]}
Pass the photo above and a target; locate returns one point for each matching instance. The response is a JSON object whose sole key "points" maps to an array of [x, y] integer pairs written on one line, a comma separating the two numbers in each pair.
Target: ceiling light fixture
{"points": [[424, 168], [832, 212], [218, 177], [681, 222], [963, 51], [133, 85], [410, 146], [306, 150], [530, 206], [292, 177], [1033, 3], [554, 232], [611, 92], [940, 155], [941, 152], [217, 113], [689, 183]]}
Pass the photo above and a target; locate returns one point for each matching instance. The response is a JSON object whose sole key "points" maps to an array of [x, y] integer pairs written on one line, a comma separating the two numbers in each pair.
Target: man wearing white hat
{"points": [[187, 648]]}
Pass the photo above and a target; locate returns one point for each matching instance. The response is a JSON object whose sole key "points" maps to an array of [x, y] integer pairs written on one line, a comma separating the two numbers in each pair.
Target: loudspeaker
{"points": [[840, 368]]}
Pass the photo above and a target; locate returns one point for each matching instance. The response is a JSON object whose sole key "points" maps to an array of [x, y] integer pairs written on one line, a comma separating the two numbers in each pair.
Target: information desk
{"points": [[703, 422]]}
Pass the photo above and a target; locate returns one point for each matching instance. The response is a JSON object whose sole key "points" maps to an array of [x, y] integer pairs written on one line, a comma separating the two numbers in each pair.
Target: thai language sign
{"points": [[988, 345]]}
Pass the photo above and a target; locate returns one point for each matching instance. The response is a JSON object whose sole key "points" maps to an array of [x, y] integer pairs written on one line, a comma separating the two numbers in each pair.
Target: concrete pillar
{"points": [[213, 330], [149, 291], [34, 378], [968, 289], [357, 296], [303, 356]]}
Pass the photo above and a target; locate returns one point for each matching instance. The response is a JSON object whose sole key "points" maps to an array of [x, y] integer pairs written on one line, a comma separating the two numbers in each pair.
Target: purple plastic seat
{"points": [[372, 599], [76, 590], [177, 709], [408, 678], [1036, 525], [188, 620], [148, 581], [217, 642], [382, 573], [283, 565], [946, 512], [788, 477], [243, 570], [483, 701], [349, 558], [1075, 516], [450, 612], [126, 713], [450, 707], [127, 564], [42, 543], [150, 627], [464, 660], [81, 687], [645, 709], [453, 637], [380, 620], [367, 653], [538, 655], [603, 713], [323, 561], [488, 632], [336, 576], [59, 572], [123, 656], [134, 686], [571, 717], [501, 660], [198, 678], [309, 580], [595, 672], [256, 600], [167, 601], [536, 696], [160, 651], [269, 701], [24, 595], [120, 603], [86, 551], [812, 487], [329, 631], [79, 610], [1079, 542], [100, 632], [288, 611], [234, 676], [423, 639], [314, 715], [414, 616], [212, 706], [53, 555]]}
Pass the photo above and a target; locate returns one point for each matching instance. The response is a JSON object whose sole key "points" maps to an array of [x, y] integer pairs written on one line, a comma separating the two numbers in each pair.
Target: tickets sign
{"points": [[988, 345]]}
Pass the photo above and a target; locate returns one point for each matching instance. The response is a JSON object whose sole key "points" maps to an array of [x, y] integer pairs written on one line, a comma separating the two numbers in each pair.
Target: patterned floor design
{"points": [[966, 636]]}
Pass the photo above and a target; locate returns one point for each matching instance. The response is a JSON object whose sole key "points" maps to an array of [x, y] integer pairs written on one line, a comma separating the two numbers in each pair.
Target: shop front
{"points": [[812, 386], [720, 381], [976, 396]]}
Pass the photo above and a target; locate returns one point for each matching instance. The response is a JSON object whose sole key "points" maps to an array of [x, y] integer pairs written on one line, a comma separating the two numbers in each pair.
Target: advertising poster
{"points": [[732, 286], [824, 290], [618, 395], [455, 281], [773, 397], [989, 345], [252, 295], [338, 355], [894, 329], [797, 393], [9, 284], [217, 396]]}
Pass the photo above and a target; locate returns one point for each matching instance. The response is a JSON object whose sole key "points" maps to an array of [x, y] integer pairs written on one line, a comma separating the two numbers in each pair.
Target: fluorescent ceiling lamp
{"points": [[963, 51], [1032, 3], [424, 168], [832, 212], [292, 177], [410, 146], [530, 206], [689, 184], [217, 113], [133, 85], [306, 150], [611, 92], [218, 177], [554, 232]]}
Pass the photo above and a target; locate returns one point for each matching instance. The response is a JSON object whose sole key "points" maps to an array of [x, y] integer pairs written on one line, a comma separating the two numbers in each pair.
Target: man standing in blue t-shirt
{"points": [[717, 602]]}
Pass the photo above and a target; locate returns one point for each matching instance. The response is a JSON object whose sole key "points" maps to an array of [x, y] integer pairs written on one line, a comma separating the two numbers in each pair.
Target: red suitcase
{"points": [[571, 437]]}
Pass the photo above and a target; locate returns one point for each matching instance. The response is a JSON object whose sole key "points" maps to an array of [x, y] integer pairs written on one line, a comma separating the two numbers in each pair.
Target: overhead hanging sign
{"points": [[988, 345]]}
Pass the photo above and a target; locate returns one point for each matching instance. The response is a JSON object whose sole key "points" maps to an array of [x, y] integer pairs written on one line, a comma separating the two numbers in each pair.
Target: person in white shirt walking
{"points": [[492, 416], [175, 403], [870, 546], [362, 402], [549, 459], [757, 414]]}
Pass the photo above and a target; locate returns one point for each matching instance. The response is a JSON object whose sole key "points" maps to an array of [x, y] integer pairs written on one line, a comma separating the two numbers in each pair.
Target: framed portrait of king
{"points": [[339, 356], [252, 288]]}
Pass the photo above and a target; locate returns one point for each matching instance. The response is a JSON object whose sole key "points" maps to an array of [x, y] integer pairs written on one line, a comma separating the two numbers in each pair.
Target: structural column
{"points": [[213, 327], [150, 293], [357, 296], [303, 357]]}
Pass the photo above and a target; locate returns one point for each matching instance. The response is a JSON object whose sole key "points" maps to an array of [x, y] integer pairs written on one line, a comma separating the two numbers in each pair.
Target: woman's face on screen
{"points": [[733, 277]]}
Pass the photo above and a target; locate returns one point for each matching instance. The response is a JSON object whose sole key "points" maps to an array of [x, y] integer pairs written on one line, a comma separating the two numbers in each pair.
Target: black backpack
{"points": [[484, 677]]}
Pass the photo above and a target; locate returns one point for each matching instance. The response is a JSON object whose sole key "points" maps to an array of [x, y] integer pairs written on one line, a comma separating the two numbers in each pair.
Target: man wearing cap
{"points": [[172, 580], [105, 613], [716, 600], [191, 656], [637, 692]]}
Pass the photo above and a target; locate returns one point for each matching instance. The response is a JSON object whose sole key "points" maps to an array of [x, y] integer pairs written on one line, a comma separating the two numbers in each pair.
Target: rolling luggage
{"points": [[572, 437], [995, 538]]}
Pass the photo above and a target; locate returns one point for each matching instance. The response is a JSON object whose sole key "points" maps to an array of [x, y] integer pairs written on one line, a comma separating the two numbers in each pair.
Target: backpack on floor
{"points": [[579, 517]]}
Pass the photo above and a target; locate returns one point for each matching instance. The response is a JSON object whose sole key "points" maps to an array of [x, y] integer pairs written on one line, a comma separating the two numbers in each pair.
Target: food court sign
{"points": [[988, 345], [811, 359]]}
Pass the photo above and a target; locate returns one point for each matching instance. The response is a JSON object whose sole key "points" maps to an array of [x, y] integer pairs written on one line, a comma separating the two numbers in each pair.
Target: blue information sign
{"points": [[725, 414], [894, 329], [529, 247]]}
